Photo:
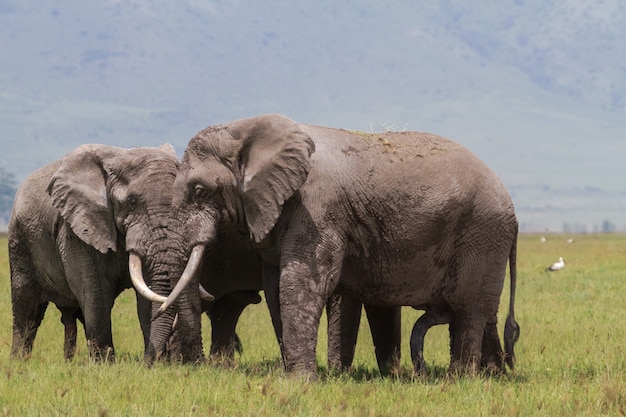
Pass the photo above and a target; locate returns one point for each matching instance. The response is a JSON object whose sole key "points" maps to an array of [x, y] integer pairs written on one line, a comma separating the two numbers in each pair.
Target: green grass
{"points": [[571, 358]]}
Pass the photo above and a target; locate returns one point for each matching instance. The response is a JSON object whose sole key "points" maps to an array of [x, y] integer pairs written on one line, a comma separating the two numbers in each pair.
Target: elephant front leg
{"points": [[97, 317], [144, 313], [271, 277], [302, 300]]}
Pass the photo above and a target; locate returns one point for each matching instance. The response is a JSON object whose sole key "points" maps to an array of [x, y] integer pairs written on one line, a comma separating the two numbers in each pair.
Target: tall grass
{"points": [[570, 358]]}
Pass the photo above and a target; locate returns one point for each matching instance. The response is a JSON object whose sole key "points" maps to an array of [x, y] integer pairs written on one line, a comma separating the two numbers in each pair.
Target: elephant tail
{"points": [[511, 328]]}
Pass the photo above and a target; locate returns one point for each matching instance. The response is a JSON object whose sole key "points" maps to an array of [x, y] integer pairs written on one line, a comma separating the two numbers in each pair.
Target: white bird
{"points": [[557, 265], [542, 239]]}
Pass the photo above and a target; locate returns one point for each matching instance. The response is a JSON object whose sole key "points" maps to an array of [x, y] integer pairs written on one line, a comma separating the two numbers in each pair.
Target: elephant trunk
{"points": [[179, 282], [187, 237], [190, 272], [161, 327]]}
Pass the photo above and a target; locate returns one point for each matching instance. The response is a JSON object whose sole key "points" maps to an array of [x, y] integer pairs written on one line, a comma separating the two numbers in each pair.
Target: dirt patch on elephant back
{"points": [[407, 144]]}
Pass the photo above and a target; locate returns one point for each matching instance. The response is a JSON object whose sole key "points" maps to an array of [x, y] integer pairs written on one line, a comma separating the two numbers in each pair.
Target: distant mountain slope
{"points": [[536, 88]]}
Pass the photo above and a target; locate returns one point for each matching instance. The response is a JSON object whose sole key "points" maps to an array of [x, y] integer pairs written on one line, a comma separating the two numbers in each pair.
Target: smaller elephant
{"points": [[492, 359], [74, 223]]}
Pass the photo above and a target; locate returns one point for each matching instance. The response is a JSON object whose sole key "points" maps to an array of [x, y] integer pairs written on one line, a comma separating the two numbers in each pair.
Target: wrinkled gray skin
{"points": [[73, 224], [232, 272], [391, 219]]}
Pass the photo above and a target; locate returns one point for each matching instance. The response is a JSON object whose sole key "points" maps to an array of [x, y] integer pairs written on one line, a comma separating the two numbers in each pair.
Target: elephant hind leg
{"points": [[466, 337], [28, 312], [29, 301], [426, 321], [493, 356]]}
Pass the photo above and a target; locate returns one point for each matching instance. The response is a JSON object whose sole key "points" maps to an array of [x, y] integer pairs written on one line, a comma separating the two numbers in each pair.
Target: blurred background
{"points": [[536, 88]]}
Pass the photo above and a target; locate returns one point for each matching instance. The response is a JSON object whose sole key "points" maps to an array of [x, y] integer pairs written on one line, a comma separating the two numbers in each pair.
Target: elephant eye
{"points": [[131, 201], [200, 193]]}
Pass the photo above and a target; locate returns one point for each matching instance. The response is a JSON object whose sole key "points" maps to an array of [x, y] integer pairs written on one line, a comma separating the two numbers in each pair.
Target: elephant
{"points": [[231, 271], [491, 360], [73, 223], [391, 219]]}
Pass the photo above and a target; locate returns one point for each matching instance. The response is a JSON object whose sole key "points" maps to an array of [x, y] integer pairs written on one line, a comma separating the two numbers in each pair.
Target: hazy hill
{"points": [[536, 88]]}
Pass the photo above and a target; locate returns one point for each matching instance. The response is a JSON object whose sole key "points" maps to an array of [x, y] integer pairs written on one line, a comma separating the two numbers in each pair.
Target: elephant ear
{"points": [[167, 147], [275, 160], [78, 190]]}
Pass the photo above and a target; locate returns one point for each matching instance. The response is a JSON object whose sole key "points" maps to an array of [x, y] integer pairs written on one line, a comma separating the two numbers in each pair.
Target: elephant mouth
{"points": [[193, 265]]}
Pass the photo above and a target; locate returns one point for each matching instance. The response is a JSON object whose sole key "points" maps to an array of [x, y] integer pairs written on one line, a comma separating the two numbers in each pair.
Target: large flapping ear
{"points": [[275, 162], [78, 190]]}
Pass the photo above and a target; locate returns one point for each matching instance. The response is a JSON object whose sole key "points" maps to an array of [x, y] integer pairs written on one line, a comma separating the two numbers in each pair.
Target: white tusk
{"points": [[205, 295], [136, 276], [193, 264]]}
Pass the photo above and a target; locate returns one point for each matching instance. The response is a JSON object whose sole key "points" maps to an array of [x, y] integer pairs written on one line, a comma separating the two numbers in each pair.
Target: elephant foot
{"points": [[222, 359], [21, 353], [100, 354], [302, 374], [303, 370], [469, 368], [420, 368], [492, 369], [69, 344]]}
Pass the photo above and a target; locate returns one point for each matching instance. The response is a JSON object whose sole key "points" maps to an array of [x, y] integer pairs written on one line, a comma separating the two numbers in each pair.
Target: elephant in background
{"points": [[492, 360], [393, 219], [74, 223]]}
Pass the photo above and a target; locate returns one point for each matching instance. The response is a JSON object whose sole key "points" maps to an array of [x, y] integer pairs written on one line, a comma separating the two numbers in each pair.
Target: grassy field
{"points": [[571, 359]]}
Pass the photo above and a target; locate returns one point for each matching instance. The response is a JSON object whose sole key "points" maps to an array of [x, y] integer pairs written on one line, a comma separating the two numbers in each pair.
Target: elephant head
{"points": [[233, 176], [117, 199]]}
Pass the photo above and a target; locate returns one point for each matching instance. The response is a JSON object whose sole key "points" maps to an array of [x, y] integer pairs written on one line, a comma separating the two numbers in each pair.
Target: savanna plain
{"points": [[570, 357]]}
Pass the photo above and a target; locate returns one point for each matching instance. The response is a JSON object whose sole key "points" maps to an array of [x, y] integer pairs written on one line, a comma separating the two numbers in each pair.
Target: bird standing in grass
{"points": [[557, 265]]}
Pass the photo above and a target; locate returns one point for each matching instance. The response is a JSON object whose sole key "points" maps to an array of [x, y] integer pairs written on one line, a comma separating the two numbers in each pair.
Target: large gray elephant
{"points": [[391, 219], [73, 224]]}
